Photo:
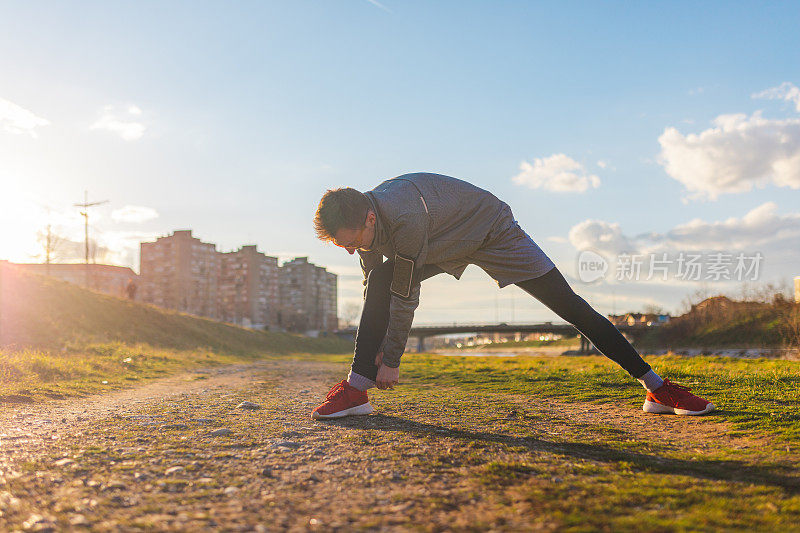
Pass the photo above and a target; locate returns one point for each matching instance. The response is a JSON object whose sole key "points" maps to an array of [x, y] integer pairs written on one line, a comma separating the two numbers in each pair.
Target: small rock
{"points": [[248, 405], [66, 461], [230, 491], [174, 470], [286, 444], [221, 432], [113, 485], [37, 522], [266, 472], [203, 420], [8, 501], [205, 480], [78, 520], [120, 500], [174, 426], [140, 476], [281, 449]]}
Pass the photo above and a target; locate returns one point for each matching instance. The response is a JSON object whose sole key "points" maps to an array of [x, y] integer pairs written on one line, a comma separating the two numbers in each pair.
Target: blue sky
{"points": [[233, 118]]}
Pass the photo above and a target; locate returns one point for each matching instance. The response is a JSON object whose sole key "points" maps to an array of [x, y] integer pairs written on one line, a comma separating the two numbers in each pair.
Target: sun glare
{"points": [[20, 222]]}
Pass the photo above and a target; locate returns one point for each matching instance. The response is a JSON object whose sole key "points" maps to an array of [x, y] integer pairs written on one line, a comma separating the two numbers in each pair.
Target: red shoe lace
{"points": [[336, 390]]}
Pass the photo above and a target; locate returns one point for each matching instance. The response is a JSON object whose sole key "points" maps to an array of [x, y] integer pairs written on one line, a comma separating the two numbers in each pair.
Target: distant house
{"points": [[715, 303], [718, 306], [110, 279], [639, 319]]}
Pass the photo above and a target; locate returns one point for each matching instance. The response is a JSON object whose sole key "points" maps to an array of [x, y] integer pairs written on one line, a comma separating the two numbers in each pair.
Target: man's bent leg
{"points": [[553, 290], [374, 322]]}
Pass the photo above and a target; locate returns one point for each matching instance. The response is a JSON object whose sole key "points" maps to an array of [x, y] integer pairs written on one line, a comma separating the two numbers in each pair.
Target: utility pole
{"points": [[85, 213]]}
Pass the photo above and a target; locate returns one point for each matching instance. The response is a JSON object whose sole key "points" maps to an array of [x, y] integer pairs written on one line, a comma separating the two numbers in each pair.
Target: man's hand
{"points": [[387, 377]]}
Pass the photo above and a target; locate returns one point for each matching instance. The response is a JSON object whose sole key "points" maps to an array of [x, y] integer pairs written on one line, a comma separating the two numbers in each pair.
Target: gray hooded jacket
{"points": [[427, 219]]}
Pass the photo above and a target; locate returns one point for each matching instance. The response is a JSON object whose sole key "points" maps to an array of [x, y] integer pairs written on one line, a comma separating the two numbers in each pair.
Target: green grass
{"points": [[752, 394], [595, 476]]}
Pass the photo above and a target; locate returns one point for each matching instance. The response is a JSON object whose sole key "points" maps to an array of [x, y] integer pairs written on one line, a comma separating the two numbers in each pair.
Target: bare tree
{"points": [[791, 326], [51, 243], [351, 312], [653, 309]]}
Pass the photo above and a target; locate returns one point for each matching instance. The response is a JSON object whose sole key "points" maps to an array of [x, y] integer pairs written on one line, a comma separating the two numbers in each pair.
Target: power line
{"points": [[85, 213]]}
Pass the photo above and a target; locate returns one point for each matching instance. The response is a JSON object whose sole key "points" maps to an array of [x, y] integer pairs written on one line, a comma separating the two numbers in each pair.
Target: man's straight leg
{"points": [[662, 396], [553, 290]]}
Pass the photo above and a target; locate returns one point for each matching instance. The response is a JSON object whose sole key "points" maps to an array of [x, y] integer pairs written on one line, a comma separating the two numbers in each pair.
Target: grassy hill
{"points": [[43, 312], [722, 322], [57, 338]]}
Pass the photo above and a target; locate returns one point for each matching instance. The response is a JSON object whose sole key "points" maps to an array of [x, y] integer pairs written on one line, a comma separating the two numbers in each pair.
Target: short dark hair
{"points": [[340, 208]]}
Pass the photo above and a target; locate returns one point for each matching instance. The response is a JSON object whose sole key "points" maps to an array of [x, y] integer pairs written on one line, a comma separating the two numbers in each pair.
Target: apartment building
{"points": [[248, 288], [181, 272], [245, 287], [308, 296]]}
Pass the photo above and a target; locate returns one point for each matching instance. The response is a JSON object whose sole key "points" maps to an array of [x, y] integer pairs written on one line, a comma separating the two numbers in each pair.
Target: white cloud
{"points": [[761, 229], [600, 235], [558, 173], [134, 213], [123, 124], [785, 91], [16, 119], [735, 155], [602, 164]]}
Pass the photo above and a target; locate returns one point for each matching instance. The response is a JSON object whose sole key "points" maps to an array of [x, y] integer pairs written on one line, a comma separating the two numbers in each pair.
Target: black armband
{"points": [[403, 276]]}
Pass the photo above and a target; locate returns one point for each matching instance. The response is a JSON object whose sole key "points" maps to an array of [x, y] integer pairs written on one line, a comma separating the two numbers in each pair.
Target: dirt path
{"points": [[179, 455]]}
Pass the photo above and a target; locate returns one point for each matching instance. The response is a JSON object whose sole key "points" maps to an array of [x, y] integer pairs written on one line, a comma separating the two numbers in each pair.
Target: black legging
{"points": [[551, 289]]}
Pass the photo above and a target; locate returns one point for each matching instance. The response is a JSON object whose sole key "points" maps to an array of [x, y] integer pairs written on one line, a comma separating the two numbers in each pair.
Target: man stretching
{"points": [[427, 224]]}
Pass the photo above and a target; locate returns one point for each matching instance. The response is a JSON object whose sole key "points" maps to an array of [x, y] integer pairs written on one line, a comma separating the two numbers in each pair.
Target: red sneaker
{"points": [[672, 398], [343, 400]]}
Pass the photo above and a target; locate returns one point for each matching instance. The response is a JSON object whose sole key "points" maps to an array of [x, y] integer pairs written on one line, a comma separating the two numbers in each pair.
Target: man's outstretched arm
{"points": [[411, 246]]}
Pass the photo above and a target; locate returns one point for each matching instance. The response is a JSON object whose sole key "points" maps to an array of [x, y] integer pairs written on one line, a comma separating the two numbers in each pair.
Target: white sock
{"points": [[651, 381], [357, 381]]}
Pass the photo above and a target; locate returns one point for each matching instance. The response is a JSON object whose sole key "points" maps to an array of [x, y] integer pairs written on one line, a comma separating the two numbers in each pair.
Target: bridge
{"points": [[431, 330]]}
